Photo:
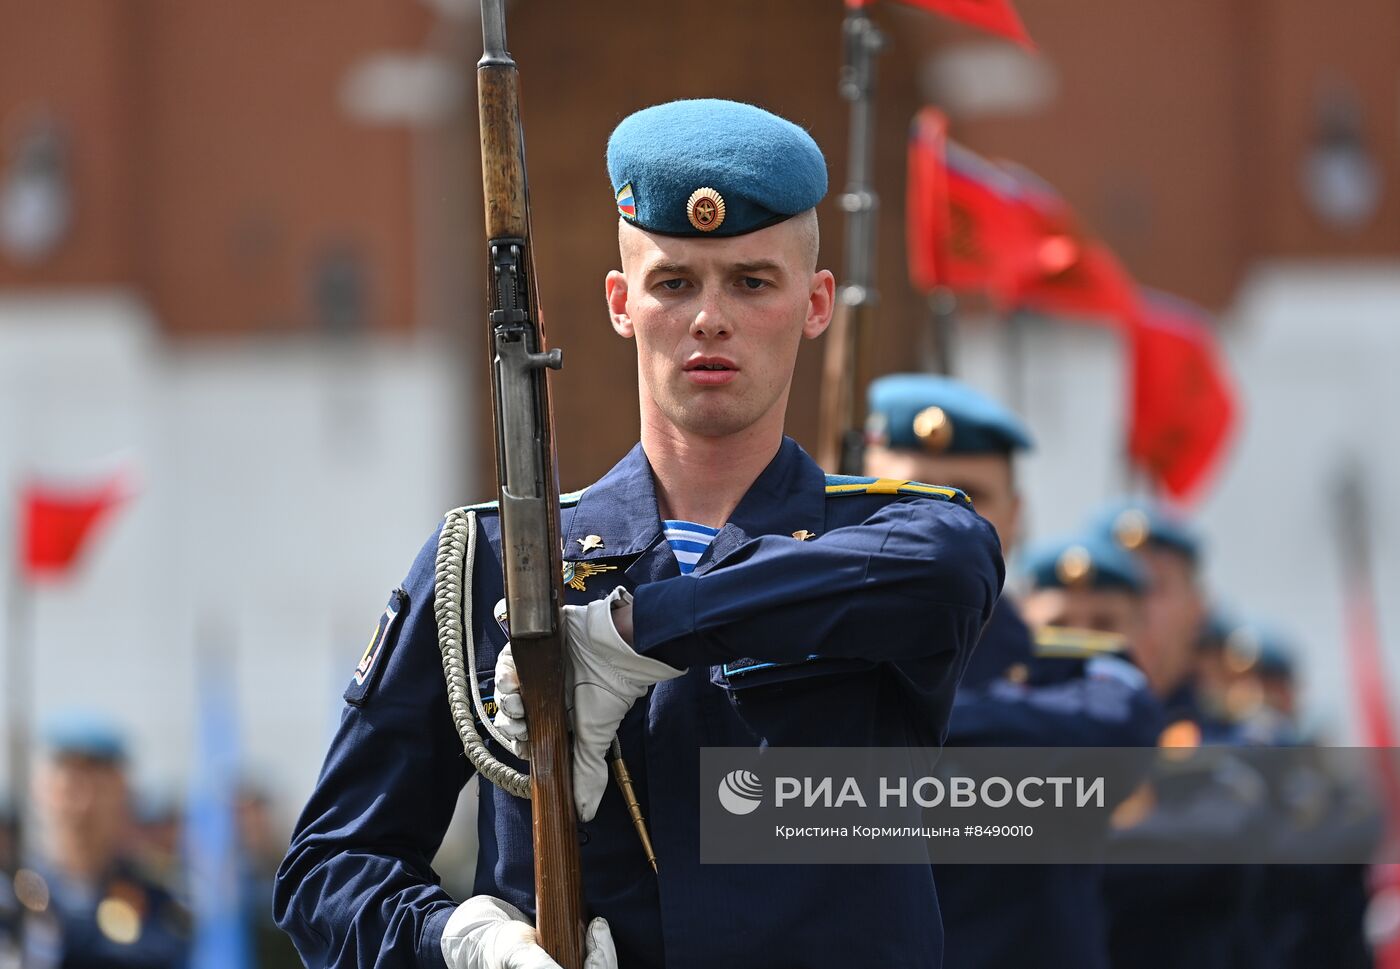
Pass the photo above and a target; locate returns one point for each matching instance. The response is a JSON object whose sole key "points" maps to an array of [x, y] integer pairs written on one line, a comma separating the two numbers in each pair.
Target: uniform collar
{"points": [[620, 511], [788, 498], [617, 516]]}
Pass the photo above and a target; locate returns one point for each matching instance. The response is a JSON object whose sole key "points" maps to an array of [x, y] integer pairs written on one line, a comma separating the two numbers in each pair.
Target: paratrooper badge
{"points": [[577, 574], [705, 209]]}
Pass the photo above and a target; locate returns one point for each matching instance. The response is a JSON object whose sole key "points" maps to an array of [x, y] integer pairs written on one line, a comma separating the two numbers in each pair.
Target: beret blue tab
{"points": [[1087, 561], [915, 410], [712, 168], [83, 734], [1135, 522]]}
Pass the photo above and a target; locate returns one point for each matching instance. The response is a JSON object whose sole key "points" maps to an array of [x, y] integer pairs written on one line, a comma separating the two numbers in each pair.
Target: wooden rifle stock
{"points": [[846, 367], [841, 427], [529, 494]]}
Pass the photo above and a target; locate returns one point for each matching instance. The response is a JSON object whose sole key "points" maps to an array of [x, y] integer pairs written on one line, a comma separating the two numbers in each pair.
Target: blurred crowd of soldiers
{"points": [[1109, 638], [103, 881]]}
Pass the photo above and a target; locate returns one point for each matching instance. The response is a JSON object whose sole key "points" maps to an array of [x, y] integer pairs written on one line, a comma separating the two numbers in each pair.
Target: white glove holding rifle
{"points": [[603, 677], [488, 933]]}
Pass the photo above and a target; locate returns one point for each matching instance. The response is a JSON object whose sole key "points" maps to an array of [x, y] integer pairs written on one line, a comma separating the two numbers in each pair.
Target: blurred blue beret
{"points": [[1136, 522], [1216, 628], [81, 733], [712, 168], [1087, 561], [943, 416], [1254, 646]]}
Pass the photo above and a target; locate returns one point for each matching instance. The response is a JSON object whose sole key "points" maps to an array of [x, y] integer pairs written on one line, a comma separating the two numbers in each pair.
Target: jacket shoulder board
{"points": [[846, 484], [1062, 642]]}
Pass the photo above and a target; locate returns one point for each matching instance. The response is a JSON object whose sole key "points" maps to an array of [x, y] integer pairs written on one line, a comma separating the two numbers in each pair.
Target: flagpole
{"points": [[846, 363], [18, 692], [938, 346], [1368, 674]]}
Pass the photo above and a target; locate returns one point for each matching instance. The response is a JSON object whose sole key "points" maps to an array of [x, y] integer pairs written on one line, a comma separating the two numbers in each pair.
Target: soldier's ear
{"points": [[821, 301], [615, 290]]}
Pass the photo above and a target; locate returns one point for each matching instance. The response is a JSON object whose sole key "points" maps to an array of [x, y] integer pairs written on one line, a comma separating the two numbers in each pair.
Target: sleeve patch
{"points": [[376, 654]]}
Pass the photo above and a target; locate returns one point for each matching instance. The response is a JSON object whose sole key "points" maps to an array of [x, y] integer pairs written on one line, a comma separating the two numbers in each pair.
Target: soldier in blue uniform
{"points": [[724, 591], [1069, 690], [1200, 915], [84, 903], [1312, 914]]}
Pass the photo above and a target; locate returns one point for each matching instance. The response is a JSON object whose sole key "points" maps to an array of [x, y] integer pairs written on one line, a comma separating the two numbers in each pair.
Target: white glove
{"points": [[488, 933], [603, 677]]}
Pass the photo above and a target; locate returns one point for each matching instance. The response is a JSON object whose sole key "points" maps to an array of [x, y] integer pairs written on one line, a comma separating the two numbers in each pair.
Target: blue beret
{"points": [[712, 168], [1088, 561], [914, 410], [1261, 648], [84, 734], [1133, 523]]}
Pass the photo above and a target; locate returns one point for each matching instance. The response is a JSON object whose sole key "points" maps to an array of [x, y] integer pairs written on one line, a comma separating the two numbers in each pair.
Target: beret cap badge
{"points": [[1132, 529], [1075, 567], [705, 209], [934, 428]]}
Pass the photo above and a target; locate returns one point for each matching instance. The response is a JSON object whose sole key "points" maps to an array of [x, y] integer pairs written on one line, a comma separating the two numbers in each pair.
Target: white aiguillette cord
{"points": [[452, 601]]}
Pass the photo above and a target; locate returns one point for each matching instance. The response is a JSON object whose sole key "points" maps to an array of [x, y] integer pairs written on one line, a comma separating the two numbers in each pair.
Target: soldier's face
{"points": [[83, 803], [718, 323], [1174, 612]]}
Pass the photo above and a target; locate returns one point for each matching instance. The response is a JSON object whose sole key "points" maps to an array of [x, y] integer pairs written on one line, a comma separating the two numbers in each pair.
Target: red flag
{"points": [[926, 198], [1183, 400], [968, 226], [1069, 272], [994, 16], [1080, 277], [58, 521]]}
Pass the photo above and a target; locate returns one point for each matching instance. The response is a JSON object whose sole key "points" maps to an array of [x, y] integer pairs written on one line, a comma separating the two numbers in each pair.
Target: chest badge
{"points": [[577, 574]]}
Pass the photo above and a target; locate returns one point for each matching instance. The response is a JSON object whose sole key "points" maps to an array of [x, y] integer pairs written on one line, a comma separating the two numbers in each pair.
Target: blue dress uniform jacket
{"points": [[1052, 915], [1198, 915], [853, 638]]}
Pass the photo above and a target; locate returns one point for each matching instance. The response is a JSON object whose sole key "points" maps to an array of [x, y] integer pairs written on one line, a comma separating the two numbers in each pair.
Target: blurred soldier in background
{"points": [[928, 428], [261, 842], [1312, 914], [1196, 915], [86, 905], [1168, 550]]}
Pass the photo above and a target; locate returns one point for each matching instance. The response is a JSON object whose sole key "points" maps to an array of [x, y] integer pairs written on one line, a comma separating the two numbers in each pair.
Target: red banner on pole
{"points": [[969, 226], [1183, 400], [926, 199], [56, 524], [994, 16]]}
